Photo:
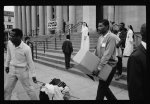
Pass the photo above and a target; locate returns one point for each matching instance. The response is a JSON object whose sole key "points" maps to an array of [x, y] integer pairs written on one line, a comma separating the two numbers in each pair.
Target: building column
{"points": [[16, 16], [65, 13], [49, 17], [111, 16], [116, 14], [24, 29], [34, 19], [105, 12], [19, 18], [45, 15], [28, 18], [59, 17], [89, 14], [41, 20], [72, 15]]}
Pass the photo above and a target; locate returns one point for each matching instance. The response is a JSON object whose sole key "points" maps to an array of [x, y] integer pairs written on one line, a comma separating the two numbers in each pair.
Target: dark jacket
{"points": [[122, 37], [67, 47], [137, 74]]}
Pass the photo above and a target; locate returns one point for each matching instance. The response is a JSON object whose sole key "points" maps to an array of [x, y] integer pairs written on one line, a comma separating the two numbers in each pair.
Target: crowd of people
{"points": [[114, 43]]}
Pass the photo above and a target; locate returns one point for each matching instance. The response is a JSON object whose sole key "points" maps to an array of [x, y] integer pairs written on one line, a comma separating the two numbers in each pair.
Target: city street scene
{"points": [[75, 52]]}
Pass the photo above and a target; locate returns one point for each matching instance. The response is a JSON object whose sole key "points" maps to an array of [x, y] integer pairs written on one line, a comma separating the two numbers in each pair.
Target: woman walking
{"points": [[85, 37], [129, 42]]}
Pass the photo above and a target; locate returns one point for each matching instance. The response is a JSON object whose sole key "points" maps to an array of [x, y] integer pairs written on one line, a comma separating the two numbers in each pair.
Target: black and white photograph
{"points": [[75, 52]]}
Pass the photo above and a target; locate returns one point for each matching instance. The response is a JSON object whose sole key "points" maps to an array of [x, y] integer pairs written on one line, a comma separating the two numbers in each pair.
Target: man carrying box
{"points": [[106, 51]]}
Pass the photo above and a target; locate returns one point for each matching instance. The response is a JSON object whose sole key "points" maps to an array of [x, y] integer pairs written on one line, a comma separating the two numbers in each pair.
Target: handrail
{"points": [[73, 26], [57, 34]]}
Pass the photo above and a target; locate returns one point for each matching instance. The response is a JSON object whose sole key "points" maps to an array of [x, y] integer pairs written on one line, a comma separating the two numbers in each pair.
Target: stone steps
{"points": [[56, 60], [59, 50]]}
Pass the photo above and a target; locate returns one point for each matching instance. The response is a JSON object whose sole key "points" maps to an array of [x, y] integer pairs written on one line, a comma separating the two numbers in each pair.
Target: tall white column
{"points": [[89, 16], [72, 15], [34, 20], [28, 17], [45, 15], [59, 17], [19, 18], [111, 13], [16, 16], [24, 21], [105, 12], [41, 21], [117, 14], [49, 16]]}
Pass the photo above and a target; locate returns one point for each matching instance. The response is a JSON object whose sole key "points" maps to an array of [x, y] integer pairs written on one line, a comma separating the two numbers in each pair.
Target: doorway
{"points": [[99, 14]]}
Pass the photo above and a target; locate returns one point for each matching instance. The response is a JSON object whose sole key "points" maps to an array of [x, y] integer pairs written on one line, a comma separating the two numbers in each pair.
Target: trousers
{"points": [[21, 74], [67, 60], [103, 88], [119, 66]]}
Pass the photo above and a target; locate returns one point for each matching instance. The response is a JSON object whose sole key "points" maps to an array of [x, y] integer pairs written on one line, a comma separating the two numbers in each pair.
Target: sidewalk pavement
{"points": [[81, 87]]}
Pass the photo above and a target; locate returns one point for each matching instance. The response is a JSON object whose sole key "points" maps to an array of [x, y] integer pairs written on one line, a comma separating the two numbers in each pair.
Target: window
{"points": [[9, 26], [9, 19]]}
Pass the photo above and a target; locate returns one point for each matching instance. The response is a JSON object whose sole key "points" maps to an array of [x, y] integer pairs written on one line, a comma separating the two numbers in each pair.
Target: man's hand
{"points": [[7, 69], [96, 72], [34, 79]]}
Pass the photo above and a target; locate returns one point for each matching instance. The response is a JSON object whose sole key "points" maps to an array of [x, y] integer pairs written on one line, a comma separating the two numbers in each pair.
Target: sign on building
{"points": [[52, 25]]}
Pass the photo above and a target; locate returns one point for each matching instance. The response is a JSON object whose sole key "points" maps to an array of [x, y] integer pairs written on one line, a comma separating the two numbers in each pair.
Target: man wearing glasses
{"points": [[18, 62]]}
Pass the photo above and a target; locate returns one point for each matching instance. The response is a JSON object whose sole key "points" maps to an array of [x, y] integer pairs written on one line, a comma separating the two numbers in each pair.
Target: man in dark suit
{"points": [[137, 72], [67, 50]]}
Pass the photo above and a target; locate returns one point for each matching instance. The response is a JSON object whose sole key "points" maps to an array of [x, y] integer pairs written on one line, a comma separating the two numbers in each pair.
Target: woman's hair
{"points": [[86, 26], [85, 23], [130, 26]]}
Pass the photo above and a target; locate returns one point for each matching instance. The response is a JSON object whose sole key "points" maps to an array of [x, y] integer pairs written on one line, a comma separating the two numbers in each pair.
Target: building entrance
{"points": [[99, 14]]}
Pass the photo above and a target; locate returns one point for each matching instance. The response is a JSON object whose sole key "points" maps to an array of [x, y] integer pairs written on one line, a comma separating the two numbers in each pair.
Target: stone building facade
{"points": [[34, 19]]}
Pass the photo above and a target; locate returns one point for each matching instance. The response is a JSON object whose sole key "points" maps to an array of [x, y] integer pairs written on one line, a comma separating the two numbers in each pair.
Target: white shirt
{"points": [[19, 56], [144, 44], [100, 41]]}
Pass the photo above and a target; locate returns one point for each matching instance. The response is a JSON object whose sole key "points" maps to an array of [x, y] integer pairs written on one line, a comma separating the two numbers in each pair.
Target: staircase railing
{"points": [[58, 34], [70, 28]]}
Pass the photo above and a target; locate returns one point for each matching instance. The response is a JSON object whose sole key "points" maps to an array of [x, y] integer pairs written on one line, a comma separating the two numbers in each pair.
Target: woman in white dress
{"points": [[84, 44], [129, 42], [85, 37]]}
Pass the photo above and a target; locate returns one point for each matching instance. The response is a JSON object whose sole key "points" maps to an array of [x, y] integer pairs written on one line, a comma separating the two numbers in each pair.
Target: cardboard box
{"points": [[87, 61]]}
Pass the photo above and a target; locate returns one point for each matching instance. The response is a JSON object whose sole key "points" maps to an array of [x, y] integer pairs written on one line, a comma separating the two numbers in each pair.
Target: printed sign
{"points": [[52, 25]]}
